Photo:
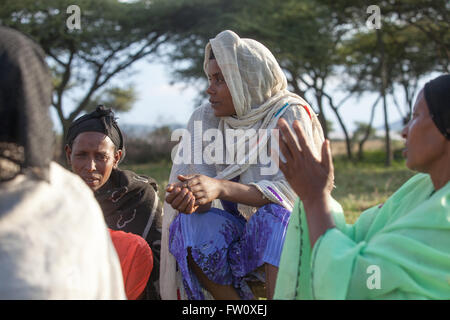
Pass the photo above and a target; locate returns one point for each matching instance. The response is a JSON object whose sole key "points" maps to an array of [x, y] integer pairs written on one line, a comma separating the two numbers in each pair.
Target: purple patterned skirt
{"points": [[227, 247]]}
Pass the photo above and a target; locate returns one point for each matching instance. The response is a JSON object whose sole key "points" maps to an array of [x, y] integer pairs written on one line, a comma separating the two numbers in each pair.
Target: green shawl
{"points": [[400, 250]]}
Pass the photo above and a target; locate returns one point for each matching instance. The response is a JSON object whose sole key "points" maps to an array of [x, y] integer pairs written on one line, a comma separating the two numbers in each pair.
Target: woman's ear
{"points": [[68, 150], [117, 157]]}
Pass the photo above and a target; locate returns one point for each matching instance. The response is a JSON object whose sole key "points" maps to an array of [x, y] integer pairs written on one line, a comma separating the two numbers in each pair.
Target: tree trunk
{"points": [[348, 141], [321, 116], [389, 155], [367, 133]]}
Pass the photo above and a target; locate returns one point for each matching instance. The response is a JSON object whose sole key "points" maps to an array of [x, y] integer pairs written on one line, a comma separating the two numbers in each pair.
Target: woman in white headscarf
{"points": [[235, 210]]}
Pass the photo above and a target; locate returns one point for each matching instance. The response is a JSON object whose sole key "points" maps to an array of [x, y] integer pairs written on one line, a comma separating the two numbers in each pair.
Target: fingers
{"points": [[201, 201], [172, 195], [186, 203], [276, 157], [285, 151], [189, 181], [172, 186], [327, 159], [199, 194], [190, 208], [183, 181], [301, 138], [181, 200], [196, 188], [289, 147], [184, 178]]}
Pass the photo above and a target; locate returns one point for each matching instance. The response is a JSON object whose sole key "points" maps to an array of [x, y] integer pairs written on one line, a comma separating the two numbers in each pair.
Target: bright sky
{"points": [[161, 103]]}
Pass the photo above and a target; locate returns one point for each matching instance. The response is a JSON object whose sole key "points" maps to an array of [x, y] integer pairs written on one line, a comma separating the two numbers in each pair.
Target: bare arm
{"points": [[242, 193]]}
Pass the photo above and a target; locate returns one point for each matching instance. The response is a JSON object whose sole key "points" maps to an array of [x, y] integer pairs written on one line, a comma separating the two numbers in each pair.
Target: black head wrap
{"points": [[26, 143], [437, 95], [101, 120]]}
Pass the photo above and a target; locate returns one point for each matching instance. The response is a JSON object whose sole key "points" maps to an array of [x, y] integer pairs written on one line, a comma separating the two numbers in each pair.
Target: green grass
{"points": [[359, 186], [159, 171]]}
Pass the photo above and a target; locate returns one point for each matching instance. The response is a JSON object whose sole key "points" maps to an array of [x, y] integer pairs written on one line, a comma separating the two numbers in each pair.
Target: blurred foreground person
{"points": [[54, 243], [130, 203], [398, 250]]}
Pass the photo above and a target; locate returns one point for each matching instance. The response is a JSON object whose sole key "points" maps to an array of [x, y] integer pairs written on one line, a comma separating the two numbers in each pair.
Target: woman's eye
{"points": [[101, 157]]}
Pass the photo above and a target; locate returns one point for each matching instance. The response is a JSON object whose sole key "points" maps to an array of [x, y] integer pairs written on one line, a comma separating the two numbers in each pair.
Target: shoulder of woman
{"points": [[297, 112], [205, 114], [203, 111], [128, 177]]}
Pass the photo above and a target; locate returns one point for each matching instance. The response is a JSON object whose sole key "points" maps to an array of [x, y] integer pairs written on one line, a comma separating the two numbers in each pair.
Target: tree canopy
{"points": [[318, 43]]}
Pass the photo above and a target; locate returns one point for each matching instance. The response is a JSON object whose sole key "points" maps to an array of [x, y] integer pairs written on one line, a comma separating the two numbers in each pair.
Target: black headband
{"points": [[437, 95], [101, 120]]}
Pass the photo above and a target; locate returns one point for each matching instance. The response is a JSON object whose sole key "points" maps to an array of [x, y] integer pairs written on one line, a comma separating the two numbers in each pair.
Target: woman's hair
{"points": [[211, 55]]}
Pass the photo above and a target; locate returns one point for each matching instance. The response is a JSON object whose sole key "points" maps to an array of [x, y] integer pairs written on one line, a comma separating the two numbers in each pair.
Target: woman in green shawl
{"points": [[399, 250]]}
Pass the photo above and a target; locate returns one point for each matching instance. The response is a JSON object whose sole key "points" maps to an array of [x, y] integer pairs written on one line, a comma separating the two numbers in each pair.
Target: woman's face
{"points": [[219, 94], [424, 145], [93, 157]]}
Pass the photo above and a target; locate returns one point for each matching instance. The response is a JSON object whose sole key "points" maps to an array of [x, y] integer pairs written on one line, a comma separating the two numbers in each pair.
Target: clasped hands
{"points": [[192, 192], [312, 178]]}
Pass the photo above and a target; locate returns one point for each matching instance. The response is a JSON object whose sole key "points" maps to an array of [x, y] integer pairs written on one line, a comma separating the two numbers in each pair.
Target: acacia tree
{"points": [[301, 35], [391, 63], [413, 41], [112, 36]]}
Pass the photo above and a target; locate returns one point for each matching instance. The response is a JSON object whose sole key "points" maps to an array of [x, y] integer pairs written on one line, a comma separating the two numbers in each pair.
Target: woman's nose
{"points": [[91, 165], [210, 90], [405, 131]]}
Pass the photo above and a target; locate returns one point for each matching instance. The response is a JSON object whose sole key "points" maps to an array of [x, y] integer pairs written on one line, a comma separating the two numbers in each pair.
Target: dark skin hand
{"points": [[194, 193], [311, 178], [181, 198]]}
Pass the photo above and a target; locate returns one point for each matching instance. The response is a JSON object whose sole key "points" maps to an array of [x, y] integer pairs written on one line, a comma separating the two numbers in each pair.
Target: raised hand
{"points": [[311, 178]]}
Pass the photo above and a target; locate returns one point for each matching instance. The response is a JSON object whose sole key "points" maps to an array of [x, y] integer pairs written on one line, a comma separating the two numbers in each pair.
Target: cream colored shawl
{"points": [[54, 243], [258, 88]]}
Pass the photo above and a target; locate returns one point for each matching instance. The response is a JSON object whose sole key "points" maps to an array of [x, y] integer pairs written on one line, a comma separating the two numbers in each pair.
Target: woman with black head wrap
{"points": [[130, 203], [51, 227]]}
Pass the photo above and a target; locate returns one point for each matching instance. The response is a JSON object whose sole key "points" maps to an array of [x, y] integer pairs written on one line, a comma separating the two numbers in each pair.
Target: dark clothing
{"points": [[130, 203], [26, 138]]}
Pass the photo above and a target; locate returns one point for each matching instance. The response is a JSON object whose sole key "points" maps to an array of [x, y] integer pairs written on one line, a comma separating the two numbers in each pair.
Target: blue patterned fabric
{"points": [[226, 246]]}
